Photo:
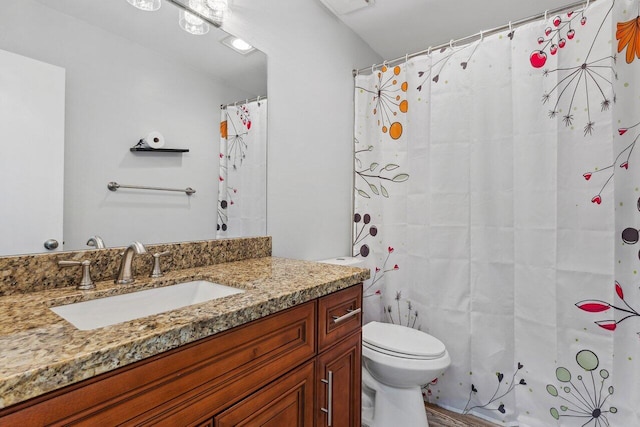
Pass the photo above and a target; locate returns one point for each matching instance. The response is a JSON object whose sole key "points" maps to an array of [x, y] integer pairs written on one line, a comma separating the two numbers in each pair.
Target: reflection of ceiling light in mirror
{"points": [[219, 10], [192, 24], [146, 5], [238, 45]]}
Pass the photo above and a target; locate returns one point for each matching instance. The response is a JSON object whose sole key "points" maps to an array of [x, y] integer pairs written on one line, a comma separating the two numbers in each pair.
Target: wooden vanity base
{"points": [[267, 372]]}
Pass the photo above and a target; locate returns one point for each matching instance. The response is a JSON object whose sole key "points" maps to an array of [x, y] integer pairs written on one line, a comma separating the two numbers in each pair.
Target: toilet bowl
{"points": [[396, 362]]}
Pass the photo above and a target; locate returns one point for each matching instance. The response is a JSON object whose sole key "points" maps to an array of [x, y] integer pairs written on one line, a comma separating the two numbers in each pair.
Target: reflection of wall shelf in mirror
{"points": [[160, 150]]}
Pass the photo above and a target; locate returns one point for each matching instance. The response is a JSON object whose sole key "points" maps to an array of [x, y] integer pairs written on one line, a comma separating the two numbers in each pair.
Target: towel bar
{"points": [[113, 186]]}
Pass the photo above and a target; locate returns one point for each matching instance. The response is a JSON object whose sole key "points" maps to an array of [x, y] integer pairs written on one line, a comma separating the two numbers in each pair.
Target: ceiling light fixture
{"points": [[195, 15], [219, 11], [200, 7], [146, 5], [192, 24], [238, 45]]}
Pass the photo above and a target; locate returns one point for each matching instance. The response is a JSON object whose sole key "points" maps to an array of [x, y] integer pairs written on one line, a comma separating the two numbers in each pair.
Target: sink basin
{"points": [[107, 311]]}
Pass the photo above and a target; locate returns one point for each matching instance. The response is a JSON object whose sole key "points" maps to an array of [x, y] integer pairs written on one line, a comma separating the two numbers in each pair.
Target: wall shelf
{"points": [[160, 150]]}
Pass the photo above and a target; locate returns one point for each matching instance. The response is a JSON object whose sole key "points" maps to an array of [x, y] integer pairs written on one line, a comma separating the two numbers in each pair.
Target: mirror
{"points": [[127, 73]]}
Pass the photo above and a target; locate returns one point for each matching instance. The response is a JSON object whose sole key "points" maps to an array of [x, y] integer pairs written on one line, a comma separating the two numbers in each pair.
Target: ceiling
{"points": [[394, 28], [160, 32]]}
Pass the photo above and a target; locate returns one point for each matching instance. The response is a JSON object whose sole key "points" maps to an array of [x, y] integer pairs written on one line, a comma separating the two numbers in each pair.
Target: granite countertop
{"points": [[42, 352]]}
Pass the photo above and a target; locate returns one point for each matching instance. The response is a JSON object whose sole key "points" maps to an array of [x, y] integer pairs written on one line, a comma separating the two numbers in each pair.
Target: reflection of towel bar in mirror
{"points": [[113, 186]]}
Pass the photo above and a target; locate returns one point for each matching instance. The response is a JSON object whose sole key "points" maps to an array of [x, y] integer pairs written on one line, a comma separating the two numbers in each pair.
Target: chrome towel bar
{"points": [[113, 186]]}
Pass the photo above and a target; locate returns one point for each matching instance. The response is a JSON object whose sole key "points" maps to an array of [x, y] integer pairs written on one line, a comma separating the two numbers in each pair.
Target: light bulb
{"points": [[200, 7], [192, 24], [146, 5], [221, 5], [192, 19], [219, 10]]}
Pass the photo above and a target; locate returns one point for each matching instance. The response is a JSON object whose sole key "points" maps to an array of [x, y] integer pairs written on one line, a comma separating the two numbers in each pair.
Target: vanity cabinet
{"points": [[338, 374], [268, 372]]}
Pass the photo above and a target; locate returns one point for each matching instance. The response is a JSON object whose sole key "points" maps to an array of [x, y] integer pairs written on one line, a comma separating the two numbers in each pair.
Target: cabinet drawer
{"points": [[339, 314]]}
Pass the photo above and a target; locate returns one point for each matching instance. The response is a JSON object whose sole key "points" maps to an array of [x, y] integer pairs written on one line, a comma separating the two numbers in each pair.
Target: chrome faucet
{"points": [[125, 274], [96, 242]]}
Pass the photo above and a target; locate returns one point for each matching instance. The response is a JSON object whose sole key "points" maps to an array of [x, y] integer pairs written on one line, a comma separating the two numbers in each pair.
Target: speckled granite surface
{"points": [[38, 272], [42, 352]]}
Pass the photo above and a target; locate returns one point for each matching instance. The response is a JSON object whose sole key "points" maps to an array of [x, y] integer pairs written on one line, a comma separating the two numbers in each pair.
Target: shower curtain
{"points": [[242, 190], [497, 202]]}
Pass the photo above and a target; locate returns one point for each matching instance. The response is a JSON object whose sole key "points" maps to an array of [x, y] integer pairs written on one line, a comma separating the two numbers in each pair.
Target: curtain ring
{"points": [[510, 27], [429, 51], [545, 14], [246, 101], [451, 44], [373, 68], [481, 35], [406, 59], [587, 6], [258, 98]]}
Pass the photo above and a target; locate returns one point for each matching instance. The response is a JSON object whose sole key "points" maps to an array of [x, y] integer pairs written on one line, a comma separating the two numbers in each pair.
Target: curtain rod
{"points": [[246, 101], [479, 35]]}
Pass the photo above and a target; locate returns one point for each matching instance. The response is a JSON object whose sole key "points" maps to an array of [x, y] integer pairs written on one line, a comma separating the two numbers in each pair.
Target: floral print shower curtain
{"points": [[497, 203], [242, 190]]}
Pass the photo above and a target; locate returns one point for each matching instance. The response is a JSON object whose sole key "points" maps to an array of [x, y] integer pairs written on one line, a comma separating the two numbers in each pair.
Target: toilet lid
{"points": [[401, 340]]}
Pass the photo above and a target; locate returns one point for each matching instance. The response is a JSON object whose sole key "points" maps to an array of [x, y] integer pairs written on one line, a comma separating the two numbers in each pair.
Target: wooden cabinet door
{"points": [[287, 402], [338, 384]]}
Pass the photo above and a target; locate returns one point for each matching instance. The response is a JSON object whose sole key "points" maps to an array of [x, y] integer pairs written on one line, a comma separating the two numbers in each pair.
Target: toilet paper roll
{"points": [[155, 140]]}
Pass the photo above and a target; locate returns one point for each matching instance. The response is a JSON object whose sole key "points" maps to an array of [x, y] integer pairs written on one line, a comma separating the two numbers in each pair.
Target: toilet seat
{"points": [[401, 341]]}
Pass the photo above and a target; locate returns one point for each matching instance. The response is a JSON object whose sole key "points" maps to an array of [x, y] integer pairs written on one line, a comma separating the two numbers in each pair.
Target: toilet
{"points": [[396, 362]]}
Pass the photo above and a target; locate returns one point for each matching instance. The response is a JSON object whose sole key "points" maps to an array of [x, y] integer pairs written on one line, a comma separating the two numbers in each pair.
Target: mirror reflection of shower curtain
{"points": [[242, 203]]}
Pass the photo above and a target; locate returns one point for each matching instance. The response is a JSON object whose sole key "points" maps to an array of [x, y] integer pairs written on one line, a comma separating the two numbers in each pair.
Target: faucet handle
{"points": [[157, 272], [85, 283]]}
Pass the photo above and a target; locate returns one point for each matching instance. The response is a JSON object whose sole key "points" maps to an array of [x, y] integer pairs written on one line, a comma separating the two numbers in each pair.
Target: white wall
{"points": [[310, 55], [117, 92]]}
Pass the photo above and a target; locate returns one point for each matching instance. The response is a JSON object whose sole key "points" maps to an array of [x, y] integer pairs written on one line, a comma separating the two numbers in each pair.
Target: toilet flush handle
{"points": [[350, 313]]}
